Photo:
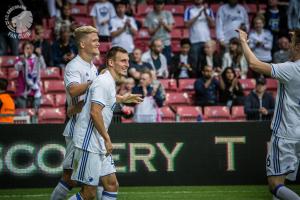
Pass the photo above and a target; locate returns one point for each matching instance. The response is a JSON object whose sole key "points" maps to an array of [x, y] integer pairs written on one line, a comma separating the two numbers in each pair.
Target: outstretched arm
{"points": [[255, 64]]}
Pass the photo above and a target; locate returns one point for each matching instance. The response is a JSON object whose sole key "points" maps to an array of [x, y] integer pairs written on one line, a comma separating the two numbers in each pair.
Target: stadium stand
{"points": [[237, 113], [51, 115], [54, 86], [216, 113], [167, 115], [189, 113]]}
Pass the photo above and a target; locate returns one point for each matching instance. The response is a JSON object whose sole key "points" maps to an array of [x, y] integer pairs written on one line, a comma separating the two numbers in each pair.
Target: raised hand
{"points": [[243, 35], [131, 98]]}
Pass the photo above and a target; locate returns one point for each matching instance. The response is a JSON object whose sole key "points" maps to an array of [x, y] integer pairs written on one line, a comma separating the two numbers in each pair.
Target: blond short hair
{"points": [[82, 31]]}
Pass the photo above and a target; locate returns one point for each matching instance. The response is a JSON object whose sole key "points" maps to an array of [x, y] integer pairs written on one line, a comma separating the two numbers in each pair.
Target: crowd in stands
{"points": [[185, 57]]}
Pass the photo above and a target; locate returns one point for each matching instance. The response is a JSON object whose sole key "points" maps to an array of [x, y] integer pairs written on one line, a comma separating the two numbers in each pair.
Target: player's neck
{"points": [[86, 57], [115, 76]]}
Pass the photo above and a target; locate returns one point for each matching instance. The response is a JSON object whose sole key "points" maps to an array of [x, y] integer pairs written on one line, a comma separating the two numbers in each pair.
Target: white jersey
{"points": [[77, 71], [103, 92], [102, 12], [125, 39], [228, 20], [262, 52], [286, 119], [199, 31]]}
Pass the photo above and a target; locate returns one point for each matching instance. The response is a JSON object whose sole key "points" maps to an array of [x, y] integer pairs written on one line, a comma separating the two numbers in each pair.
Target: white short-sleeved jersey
{"points": [[77, 71], [199, 31], [103, 92], [286, 119], [125, 39]]}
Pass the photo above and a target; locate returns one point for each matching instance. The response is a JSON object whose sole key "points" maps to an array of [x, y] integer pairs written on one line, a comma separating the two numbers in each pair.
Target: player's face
{"points": [[91, 44], [121, 63]]}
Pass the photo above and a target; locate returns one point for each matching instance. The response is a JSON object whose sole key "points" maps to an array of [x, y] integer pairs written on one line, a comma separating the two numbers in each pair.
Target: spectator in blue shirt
{"points": [[207, 88]]}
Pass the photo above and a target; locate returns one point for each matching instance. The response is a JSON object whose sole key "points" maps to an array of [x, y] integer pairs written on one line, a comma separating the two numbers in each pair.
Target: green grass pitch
{"points": [[161, 193]]}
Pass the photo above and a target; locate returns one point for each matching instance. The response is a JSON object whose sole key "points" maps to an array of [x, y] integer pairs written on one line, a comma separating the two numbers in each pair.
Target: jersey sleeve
{"points": [[187, 14], [71, 77], [99, 93], [284, 72], [93, 12], [113, 26]]}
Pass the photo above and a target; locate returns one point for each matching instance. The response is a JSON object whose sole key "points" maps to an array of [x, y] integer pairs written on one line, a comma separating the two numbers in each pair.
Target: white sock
{"points": [[60, 191], [76, 196], [109, 195], [99, 192], [285, 193]]}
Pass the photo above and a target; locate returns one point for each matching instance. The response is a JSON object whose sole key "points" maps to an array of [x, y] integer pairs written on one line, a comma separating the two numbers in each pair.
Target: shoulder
{"points": [[73, 65], [240, 7]]}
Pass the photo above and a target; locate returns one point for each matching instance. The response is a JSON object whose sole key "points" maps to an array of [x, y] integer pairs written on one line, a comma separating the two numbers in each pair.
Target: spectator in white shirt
{"points": [[102, 12], [261, 40], [122, 28], [156, 59], [198, 18], [230, 17]]}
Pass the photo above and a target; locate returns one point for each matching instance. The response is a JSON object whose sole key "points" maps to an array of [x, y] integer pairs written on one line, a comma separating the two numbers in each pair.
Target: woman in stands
{"points": [[28, 65], [231, 92]]}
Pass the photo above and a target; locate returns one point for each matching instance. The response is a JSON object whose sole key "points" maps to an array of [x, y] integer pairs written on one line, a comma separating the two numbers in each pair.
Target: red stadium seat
{"points": [[237, 113], [175, 46], [169, 84], [185, 33], [104, 47], [167, 115], [47, 100], [81, 21], [25, 111], [50, 73], [179, 23], [51, 115], [271, 84], [189, 113], [54, 86], [216, 113], [142, 34], [177, 99], [247, 84], [7, 61], [176, 34], [60, 99], [186, 84], [175, 9], [143, 9], [79, 10], [251, 8], [12, 74], [3, 73]]}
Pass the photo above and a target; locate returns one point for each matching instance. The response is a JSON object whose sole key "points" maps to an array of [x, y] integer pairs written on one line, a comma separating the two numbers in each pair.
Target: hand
{"points": [[242, 34], [128, 23], [108, 146], [131, 98], [263, 111]]}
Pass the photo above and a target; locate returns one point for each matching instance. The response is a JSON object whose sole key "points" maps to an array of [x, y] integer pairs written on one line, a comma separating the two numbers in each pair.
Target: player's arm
{"points": [[255, 64], [77, 89], [74, 109], [129, 98], [97, 118]]}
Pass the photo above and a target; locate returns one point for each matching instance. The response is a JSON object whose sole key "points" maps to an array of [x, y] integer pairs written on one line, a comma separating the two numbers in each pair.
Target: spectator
{"points": [[64, 49], [156, 59], [160, 24], [261, 40], [54, 7], [259, 104], [65, 20], [198, 18], [7, 104], [76, 1], [136, 65], [283, 54], [294, 15], [42, 45], [102, 12], [230, 17], [231, 92], [147, 111], [210, 57], [276, 22], [29, 66], [126, 86], [123, 28], [182, 64], [156, 84], [235, 58], [207, 88]]}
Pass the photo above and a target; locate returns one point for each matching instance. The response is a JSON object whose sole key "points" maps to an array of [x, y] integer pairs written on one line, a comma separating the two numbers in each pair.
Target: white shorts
{"points": [[70, 148], [283, 157], [90, 167]]}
